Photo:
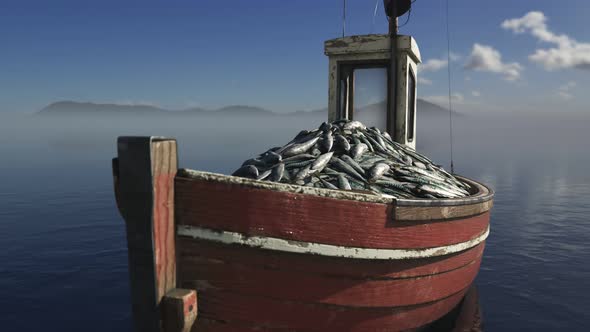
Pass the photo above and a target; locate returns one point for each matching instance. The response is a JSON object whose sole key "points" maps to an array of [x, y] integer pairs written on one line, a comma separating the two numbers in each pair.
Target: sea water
{"points": [[63, 257]]}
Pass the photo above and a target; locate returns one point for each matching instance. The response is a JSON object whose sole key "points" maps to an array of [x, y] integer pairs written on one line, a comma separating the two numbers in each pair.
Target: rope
{"points": [[449, 78], [374, 14], [407, 18]]}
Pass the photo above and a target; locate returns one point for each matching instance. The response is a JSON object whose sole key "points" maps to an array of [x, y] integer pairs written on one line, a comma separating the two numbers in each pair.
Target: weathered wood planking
{"points": [[289, 286], [193, 252], [417, 213], [146, 168], [248, 310], [179, 310], [244, 286], [308, 218]]}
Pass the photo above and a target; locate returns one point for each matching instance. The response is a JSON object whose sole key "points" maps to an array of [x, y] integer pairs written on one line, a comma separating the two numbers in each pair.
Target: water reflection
{"points": [[466, 316]]}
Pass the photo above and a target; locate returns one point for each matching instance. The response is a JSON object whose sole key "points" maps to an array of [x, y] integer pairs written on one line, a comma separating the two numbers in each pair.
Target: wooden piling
{"points": [[144, 185]]}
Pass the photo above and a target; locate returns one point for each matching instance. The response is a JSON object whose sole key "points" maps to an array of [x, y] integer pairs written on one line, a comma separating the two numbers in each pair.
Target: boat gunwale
{"points": [[483, 193]]}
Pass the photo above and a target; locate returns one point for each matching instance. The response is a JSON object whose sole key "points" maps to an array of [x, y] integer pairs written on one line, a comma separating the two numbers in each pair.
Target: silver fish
{"points": [[376, 146], [353, 125], [343, 182], [325, 144], [286, 176], [408, 160], [319, 164], [330, 171], [325, 127], [277, 173], [328, 184], [248, 171], [303, 173], [419, 165], [299, 157], [367, 143], [254, 162], [438, 192], [300, 147], [340, 142], [377, 171], [299, 164], [358, 150], [264, 175], [347, 159], [387, 136], [349, 156], [337, 163], [271, 157]]}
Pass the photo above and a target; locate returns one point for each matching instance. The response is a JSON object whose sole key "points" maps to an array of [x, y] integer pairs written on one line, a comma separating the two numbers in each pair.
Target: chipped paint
{"points": [[482, 193], [277, 244], [337, 194]]}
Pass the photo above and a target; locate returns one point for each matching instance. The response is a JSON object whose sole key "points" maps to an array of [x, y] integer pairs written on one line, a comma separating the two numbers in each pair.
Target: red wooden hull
{"points": [[266, 257]]}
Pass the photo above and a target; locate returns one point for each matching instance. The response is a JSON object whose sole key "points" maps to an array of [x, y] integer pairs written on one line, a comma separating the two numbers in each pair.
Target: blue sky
{"points": [[211, 53]]}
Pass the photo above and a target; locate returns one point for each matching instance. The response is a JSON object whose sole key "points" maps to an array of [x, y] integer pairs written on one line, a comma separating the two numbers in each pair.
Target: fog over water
{"points": [[64, 258]]}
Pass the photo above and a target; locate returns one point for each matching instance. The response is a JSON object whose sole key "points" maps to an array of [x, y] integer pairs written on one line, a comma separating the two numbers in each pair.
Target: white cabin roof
{"points": [[367, 44]]}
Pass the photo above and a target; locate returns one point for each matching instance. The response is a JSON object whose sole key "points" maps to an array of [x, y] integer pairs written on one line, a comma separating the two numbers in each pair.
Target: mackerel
{"points": [[358, 150], [299, 148], [343, 182], [347, 159], [341, 165]]}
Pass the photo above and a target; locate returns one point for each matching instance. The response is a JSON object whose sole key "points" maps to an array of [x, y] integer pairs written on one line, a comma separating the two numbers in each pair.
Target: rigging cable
{"points": [[409, 14], [343, 18], [374, 14], [449, 78]]}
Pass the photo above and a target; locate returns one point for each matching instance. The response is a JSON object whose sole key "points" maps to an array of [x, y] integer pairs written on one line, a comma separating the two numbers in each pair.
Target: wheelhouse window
{"points": [[370, 101], [363, 94]]}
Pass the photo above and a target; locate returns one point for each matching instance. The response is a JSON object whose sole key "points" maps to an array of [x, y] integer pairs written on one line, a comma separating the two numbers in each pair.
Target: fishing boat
{"points": [[212, 252]]}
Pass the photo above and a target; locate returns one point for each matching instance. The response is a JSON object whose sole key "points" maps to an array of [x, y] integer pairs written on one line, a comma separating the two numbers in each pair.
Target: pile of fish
{"points": [[347, 155]]}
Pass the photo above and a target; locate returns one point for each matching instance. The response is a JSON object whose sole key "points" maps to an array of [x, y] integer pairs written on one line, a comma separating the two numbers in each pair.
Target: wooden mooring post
{"points": [[143, 177]]}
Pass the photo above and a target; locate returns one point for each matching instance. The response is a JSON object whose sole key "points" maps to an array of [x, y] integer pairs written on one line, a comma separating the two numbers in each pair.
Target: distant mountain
{"points": [[72, 108], [426, 107], [77, 108]]}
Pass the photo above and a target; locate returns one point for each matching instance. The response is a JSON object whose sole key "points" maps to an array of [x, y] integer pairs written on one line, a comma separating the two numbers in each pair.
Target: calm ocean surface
{"points": [[63, 257]]}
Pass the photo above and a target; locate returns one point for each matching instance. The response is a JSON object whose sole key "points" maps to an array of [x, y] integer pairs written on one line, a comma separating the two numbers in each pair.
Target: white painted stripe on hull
{"points": [[272, 243]]}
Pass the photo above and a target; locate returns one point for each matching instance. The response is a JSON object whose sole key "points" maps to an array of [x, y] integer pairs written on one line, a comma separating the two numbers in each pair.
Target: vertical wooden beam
{"points": [[333, 91], [146, 167], [392, 77], [179, 310]]}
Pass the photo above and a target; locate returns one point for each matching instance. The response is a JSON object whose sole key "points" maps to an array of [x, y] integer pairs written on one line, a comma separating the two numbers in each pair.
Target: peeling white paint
{"points": [[271, 243]]}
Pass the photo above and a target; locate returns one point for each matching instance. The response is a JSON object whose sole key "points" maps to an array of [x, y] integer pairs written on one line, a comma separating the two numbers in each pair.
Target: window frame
{"points": [[346, 70], [411, 115]]}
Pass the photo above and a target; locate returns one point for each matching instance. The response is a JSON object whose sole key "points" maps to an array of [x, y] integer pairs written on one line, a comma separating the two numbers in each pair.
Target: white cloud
{"points": [[424, 81], [566, 53], [564, 91], [476, 93], [433, 65], [438, 64], [486, 58]]}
